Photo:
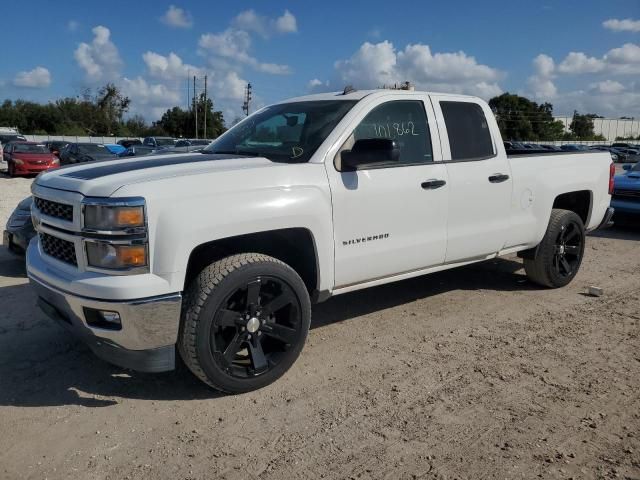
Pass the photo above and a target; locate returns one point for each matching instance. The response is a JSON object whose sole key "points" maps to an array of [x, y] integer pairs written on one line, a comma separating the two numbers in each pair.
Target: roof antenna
{"points": [[348, 89]]}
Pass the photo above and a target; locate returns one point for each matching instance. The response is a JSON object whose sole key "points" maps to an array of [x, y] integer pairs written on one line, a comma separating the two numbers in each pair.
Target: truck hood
{"points": [[102, 179]]}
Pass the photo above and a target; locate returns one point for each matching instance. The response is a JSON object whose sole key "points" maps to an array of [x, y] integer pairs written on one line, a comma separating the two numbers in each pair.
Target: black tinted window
{"points": [[469, 135], [405, 122]]}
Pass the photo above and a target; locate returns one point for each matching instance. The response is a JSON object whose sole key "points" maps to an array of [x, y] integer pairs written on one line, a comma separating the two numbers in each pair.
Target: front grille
{"points": [[54, 209], [626, 194], [55, 247]]}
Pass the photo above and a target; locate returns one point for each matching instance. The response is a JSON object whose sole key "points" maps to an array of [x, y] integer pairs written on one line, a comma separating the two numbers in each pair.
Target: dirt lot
{"points": [[472, 373]]}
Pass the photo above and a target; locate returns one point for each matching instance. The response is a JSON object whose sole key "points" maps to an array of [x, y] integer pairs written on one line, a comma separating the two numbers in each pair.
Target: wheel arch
{"points": [[579, 202], [294, 246]]}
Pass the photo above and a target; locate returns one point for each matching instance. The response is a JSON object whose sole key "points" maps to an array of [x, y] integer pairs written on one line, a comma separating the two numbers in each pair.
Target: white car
{"points": [[220, 255]]}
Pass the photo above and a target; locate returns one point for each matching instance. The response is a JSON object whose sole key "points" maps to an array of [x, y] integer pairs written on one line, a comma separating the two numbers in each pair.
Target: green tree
{"points": [[524, 120], [182, 123], [582, 126]]}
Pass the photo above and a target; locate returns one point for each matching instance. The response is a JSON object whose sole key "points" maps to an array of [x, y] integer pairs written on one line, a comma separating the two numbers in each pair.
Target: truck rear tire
{"points": [[244, 322], [559, 255]]}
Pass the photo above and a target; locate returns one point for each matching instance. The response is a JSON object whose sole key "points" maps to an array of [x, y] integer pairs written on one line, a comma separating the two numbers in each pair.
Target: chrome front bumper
{"points": [[148, 333]]}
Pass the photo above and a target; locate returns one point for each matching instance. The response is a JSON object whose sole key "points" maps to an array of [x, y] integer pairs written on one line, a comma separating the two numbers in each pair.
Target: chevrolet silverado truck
{"points": [[219, 255]]}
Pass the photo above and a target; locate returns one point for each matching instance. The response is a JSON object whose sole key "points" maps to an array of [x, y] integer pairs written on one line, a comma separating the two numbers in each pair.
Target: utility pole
{"points": [[188, 93], [195, 104], [206, 109], [247, 99]]}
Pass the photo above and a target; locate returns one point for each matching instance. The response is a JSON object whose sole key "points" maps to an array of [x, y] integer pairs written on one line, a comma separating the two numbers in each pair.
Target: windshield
{"points": [[290, 132], [30, 148], [91, 149], [636, 167]]}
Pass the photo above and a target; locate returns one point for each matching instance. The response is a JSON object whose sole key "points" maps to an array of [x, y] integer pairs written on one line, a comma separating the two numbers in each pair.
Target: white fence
{"points": [[76, 138], [610, 128]]}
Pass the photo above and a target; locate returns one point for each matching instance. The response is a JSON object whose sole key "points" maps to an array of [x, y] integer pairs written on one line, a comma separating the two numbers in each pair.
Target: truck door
{"points": [[479, 178], [389, 218]]}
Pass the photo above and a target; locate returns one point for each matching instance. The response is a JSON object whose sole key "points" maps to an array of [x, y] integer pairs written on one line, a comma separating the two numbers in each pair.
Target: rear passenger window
{"points": [[404, 121], [469, 136]]}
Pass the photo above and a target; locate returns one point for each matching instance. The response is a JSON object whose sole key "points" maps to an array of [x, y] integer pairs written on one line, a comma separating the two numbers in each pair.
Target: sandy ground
{"points": [[472, 373]]}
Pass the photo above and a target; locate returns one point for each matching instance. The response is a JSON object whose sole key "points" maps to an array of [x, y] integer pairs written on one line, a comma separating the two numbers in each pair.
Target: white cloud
{"points": [[626, 25], [541, 83], [234, 45], [39, 77], [170, 67], [176, 17], [264, 26], [608, 87], [542, 88], [623, 60], [100, 59], [150, 100], [316, 85], [287, 23], [628, 53], [374, 65], [544, 65], [578, 63], [164, 83]]}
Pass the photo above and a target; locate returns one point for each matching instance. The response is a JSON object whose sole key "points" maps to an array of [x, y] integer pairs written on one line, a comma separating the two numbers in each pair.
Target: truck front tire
{"points": [[244, 322], [559, 255]]}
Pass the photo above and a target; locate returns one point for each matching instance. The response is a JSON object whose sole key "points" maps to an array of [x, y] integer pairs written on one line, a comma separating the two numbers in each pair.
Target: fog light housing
{"points": [[104, 319]]}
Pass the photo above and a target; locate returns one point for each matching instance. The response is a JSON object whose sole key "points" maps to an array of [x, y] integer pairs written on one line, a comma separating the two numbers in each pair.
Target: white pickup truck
{"points": [[220, 254]]}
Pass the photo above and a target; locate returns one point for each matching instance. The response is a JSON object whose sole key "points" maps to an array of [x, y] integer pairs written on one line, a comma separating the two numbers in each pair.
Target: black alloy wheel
{"points": [[558, 257], [568, 249], [245, 320], [257, 325]]}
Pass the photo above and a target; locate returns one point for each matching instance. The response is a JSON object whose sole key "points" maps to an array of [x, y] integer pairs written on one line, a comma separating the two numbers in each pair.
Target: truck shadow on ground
{"points": [[41, 365], [619, 232]]}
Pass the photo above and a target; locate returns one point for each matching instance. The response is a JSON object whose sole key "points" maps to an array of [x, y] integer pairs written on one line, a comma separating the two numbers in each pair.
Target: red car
{"points": [[26, 158]]}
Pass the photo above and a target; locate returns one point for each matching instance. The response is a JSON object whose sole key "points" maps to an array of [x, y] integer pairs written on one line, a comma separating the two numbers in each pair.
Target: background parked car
{"points": [[184, 142], [573, 147], [128, 142], [628, 155], [84, 152], [19, 230], [159, 142], [137, 151], [115, 148], [626, 196], [6, 138], [55, 146], [26, 158]]}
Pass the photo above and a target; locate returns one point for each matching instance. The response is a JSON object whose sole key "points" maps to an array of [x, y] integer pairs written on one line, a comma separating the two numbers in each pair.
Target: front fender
{"points": [[186, 212]]}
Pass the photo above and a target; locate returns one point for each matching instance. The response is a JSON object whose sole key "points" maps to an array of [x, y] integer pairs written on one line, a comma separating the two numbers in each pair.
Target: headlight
{"points": [[116, 256], [108, 218]]}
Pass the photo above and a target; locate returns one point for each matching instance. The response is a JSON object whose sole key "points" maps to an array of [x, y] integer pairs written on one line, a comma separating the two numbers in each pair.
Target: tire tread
{"points": [[538, 269]]}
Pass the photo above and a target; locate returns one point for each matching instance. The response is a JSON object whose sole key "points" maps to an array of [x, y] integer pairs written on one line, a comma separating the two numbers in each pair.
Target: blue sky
{"points": [[576, 54]]}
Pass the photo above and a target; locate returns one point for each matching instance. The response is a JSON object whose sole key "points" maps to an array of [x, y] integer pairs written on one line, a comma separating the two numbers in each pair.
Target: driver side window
{"points": [[403, 121]]}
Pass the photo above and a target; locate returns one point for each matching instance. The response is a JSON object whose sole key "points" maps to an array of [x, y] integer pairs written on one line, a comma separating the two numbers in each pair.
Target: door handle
{"points": [[433, 184], [498, 178]]}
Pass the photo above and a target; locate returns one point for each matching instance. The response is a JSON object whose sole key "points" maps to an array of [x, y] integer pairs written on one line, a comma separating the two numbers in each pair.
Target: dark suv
{"points": [[159, 142]]}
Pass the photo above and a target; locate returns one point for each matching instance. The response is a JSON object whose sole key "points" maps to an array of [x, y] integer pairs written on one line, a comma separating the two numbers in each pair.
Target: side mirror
{"points": [[369, 152], [627, 166]]}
